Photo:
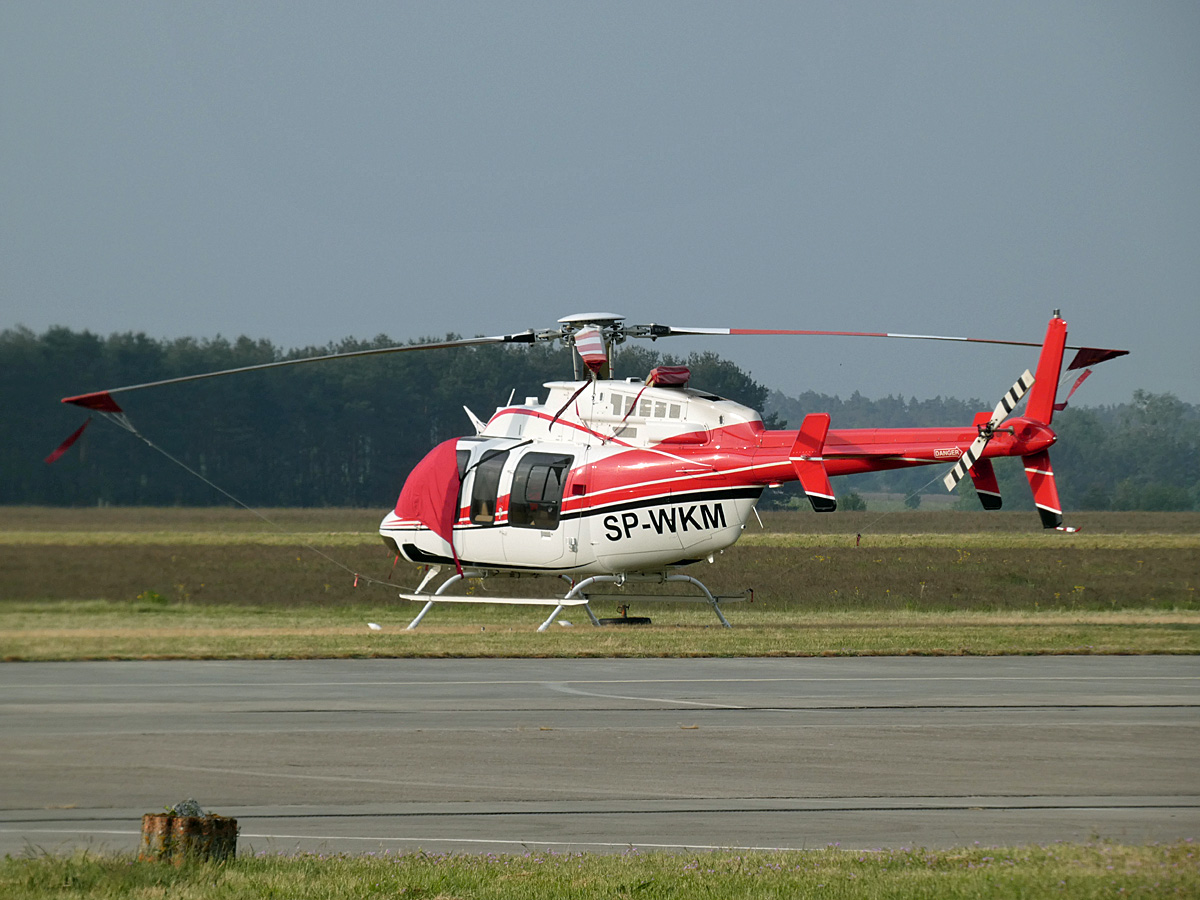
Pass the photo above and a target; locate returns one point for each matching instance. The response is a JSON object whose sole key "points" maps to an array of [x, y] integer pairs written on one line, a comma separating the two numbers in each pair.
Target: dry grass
{"points": [[99, 630], [187, 583]]}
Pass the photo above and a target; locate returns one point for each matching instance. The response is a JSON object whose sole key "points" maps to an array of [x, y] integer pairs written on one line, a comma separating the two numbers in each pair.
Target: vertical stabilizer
{"points": [[1045, 492], [1045, 385], [987, 488]]}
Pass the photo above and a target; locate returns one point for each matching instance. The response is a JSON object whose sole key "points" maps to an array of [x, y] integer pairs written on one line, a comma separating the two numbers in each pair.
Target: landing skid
{"points": [[652, 579], [576, 596], [440, 596]]}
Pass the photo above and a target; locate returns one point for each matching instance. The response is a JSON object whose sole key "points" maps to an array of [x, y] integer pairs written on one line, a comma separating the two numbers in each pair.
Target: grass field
{"points": [[1059, 870], [221, 583]]}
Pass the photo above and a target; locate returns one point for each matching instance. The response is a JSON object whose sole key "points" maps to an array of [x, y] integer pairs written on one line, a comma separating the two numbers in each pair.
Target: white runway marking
{"points": [[565, 688]]}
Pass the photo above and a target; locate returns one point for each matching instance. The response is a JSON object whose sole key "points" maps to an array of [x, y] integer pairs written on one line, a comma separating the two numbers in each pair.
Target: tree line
{"points": [[347, 433]]}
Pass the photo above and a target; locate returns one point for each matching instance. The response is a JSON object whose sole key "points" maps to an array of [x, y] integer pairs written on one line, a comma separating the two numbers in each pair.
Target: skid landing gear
{"points": [[440, 596], [576, 596], [622, 580]]}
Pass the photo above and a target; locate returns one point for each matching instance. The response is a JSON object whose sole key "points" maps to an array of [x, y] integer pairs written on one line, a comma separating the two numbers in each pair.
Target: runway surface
{"points": [[503, 755]]}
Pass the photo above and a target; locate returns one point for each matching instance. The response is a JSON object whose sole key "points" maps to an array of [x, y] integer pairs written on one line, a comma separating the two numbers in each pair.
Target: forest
{"points": [[348, 432]]}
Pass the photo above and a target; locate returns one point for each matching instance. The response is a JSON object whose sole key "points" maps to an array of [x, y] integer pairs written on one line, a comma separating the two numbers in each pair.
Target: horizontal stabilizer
{"points": [[808, 464]]}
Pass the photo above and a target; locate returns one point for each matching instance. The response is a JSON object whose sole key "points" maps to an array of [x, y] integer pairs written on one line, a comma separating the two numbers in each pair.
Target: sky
{"points": [[305, 172]]}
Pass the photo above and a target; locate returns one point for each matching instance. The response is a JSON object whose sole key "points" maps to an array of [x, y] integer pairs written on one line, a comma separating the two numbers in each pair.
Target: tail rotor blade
{"points": [[973, 453], [965, 462], [1010, 400]]}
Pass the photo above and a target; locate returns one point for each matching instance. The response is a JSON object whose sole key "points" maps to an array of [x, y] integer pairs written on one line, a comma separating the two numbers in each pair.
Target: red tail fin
{"points": [[1045, 385], [1045, 493], [987, 488], [811, 471]]}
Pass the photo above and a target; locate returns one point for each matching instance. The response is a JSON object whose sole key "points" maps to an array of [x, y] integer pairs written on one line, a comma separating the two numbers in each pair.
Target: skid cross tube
{"points": [[621, 580], [440, 596]]}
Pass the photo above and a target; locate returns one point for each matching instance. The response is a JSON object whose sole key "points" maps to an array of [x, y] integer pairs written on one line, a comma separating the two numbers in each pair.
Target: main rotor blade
{"points": [[657, 331], [102, 400]]}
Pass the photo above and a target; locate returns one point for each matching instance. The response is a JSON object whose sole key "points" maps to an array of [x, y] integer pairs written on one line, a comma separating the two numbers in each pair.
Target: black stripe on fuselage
{"points": [[737, 493], [415, 554]]}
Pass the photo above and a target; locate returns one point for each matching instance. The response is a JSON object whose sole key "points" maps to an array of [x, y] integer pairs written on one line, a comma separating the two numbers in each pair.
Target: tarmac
{"points": [[470, 755]]}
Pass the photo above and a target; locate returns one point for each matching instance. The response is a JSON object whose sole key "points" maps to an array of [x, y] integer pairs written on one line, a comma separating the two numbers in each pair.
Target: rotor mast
{"points": [[582, 327]]}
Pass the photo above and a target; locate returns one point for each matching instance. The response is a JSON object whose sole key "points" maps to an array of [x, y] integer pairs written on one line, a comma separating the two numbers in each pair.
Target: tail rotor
{"points": [[988, 430], [1031, 434]]}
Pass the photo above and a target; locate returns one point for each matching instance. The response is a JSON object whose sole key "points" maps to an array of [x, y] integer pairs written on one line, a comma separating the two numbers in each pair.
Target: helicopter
{"points": [[611, 481]]}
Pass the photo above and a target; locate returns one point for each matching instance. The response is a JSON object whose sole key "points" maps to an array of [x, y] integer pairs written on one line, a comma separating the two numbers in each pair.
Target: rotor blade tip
{"points": [[101, 401]]}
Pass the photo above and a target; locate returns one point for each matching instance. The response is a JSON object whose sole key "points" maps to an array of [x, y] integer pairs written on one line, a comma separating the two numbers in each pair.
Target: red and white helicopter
{"points": [[622, 481]]}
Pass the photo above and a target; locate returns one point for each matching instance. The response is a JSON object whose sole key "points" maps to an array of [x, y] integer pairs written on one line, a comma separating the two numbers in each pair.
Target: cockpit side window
{"points": [[537, 490], [486, 487]]}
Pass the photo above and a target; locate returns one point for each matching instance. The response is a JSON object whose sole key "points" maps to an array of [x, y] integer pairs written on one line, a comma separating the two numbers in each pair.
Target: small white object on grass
{"points": [[374, 627], [564, 623]]}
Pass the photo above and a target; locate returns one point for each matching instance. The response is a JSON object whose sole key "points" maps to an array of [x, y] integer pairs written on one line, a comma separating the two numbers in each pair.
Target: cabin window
{"points": [[486, 488], [537, 490], [674, 410]]}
